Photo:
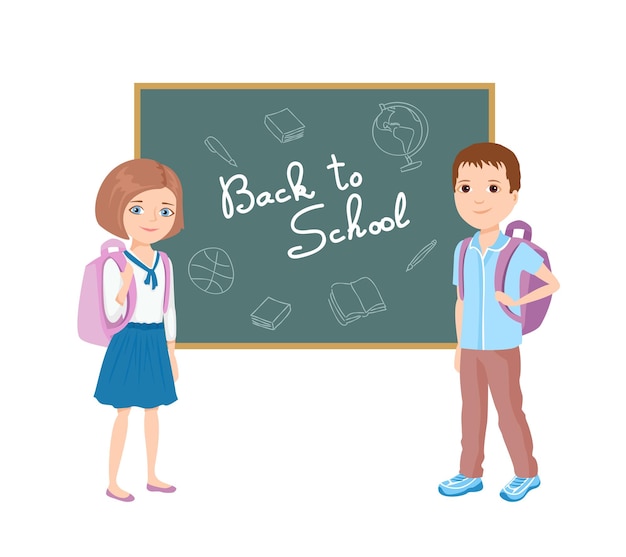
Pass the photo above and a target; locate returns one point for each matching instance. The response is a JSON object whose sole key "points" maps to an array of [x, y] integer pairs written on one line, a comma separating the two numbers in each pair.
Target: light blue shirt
{"points": [[485, 326]]}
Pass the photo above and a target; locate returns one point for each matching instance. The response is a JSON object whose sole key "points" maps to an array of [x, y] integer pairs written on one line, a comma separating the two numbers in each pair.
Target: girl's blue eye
{"points": [[136, 210], [166, 212]]}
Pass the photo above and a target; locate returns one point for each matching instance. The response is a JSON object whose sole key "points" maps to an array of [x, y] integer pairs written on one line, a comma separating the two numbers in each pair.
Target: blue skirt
{"points": [[136, 370]]}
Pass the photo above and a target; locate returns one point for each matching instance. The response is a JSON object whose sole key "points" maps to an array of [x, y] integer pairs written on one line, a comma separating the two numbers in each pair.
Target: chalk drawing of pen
{"points": [[421, 254], [215, 146]]}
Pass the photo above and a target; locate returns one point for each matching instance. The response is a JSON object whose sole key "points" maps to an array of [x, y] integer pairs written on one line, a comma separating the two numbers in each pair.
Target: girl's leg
{"points": [[118, 438], [151, 427]]}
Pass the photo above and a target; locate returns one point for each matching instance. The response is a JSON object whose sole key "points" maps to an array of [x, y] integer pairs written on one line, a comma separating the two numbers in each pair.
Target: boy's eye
{"points": [[493, 188], [136, 210], [165, 212], [465, 188]]}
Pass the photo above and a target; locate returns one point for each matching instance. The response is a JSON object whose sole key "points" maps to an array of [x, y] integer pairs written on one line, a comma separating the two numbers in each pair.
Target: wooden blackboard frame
{"points": [[139, 87]]}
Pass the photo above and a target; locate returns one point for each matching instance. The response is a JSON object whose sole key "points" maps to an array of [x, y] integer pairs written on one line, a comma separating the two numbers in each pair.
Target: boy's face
{"points": [[483, 195]]}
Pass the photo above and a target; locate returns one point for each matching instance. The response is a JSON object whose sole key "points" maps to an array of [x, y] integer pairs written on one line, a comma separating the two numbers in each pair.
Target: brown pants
{"points": [[499, 372]]}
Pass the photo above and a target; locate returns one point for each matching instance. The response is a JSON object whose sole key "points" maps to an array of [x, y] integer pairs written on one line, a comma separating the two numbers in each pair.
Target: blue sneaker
{"points": [[517, 488], [460, 485]]}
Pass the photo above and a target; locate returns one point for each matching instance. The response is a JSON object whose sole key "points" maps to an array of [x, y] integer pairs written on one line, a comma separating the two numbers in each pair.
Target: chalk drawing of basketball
{"points": [[211, 270]]}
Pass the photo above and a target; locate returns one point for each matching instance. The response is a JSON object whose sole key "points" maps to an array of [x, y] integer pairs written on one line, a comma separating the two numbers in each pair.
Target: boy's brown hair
{"points": [[126, 181], [489, 153]]}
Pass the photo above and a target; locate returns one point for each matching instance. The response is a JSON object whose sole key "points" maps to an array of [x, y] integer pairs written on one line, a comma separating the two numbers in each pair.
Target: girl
{"points": [[140, 199]]}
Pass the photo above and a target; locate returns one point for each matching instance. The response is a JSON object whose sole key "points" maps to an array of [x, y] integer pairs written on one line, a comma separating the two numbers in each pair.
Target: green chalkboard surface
{"points": [[316, 215]]}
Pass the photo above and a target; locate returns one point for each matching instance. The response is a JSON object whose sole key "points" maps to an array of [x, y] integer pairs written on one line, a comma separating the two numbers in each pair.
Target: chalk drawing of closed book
{"points": [[270, 314], [350, 301], [284, 125]]}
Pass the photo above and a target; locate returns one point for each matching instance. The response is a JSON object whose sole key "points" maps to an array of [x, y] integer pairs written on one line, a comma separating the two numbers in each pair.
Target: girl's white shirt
{"points": [[149, 306]]}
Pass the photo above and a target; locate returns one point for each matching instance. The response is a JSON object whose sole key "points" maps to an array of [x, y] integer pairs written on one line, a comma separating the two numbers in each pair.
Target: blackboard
{"points": [[305, 205]]}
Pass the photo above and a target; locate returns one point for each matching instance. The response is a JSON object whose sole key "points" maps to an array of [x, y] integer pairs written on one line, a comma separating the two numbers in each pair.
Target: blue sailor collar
{"points": [[151, 278]]}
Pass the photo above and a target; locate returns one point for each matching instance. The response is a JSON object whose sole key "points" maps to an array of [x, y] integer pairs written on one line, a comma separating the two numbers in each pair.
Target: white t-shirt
{"points": [[149, 306]]}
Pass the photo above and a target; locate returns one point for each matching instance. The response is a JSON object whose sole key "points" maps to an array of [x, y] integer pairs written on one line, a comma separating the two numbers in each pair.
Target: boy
{"points": [[486, 182]]}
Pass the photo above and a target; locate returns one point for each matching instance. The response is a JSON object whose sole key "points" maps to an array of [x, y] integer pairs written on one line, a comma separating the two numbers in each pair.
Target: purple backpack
{"points": [[93, 325], [532, 314]]}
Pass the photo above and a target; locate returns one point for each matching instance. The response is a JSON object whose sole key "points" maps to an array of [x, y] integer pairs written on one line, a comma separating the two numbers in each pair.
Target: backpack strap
{"points": [[464, 245], [502, 265], [505, 258], [131, 296]]}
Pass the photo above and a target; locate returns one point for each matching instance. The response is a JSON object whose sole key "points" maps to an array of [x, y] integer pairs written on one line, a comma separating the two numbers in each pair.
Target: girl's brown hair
{"points": [[489, 153], [126, 181]]}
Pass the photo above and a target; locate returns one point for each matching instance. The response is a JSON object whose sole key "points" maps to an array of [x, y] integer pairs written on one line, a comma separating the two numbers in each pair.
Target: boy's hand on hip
{"points": [[505, 299]]}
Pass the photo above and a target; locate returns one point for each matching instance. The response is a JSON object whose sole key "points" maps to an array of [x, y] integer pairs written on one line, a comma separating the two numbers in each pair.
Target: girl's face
{"points": [[149, 216]]}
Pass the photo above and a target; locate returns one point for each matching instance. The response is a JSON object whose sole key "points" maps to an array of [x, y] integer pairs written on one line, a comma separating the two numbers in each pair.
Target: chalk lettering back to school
{"points": [[332, 184]]}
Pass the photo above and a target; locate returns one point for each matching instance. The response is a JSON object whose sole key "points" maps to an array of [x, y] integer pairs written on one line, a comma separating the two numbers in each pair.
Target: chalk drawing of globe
{"points": [[400, 130], [211, 270]]}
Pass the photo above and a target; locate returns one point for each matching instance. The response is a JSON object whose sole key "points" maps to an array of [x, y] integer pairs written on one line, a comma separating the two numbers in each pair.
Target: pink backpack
{"points": [[93, 325], [532, 314]]}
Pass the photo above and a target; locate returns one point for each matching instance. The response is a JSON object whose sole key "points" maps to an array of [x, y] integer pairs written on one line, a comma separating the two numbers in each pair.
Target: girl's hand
{"points": [[174, 365], [171, 346], [505, 299], [457, 358]]}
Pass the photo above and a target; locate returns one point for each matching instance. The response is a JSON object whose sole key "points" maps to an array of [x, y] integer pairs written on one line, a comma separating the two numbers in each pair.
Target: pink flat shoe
{"points": [[126, 499], [170, 489]]}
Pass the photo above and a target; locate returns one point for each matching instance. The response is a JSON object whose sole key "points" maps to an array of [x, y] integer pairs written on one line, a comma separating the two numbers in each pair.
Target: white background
{"points": [[309, 453]]}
